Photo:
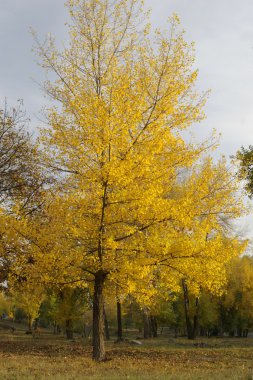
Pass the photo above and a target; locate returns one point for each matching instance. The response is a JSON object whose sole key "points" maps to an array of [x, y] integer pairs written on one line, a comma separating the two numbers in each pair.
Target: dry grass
{"points": [[45, 358]]}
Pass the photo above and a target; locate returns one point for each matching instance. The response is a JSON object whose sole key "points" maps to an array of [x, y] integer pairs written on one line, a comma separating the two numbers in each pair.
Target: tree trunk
{"points": [[186, 309], [192, 328], [119, 321], [36, 322], [98, 317], [146, 324], [57, 329], [153, 322], [239, 331], [107, 333], [69, 329], [30, 321], [195, 319]]}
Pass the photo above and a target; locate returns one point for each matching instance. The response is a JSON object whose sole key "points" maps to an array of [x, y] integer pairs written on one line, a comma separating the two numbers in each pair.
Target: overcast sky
{"points": [[222, 30]]}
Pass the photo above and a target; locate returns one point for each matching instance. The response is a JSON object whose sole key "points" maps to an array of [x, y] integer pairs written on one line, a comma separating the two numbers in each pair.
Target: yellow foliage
{"points": [[134, 202]]}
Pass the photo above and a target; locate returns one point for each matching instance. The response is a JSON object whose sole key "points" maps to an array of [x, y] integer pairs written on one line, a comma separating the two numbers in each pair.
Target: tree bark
{"points": [[107, 332], [57, 329], [119, 321], [98, 317], [153, 322], [191, 327], [195, 319], [30, 321], [186, 309], [69, 329], [146, 324]]}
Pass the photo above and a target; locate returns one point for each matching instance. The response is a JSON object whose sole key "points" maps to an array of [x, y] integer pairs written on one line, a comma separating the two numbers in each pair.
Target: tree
{"points": [[21, 178], [29, 298], [70, 307], [6, 304], [237, 301], [19, 169], [120, 204], [244, 158]]}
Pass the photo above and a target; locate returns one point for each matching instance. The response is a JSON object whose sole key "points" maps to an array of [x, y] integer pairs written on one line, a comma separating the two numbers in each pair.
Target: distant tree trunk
{"points": [[107, 333], [203, 331], [186, 309], [69, 328], [239, 331], [119, 321], [153, 323], [36, 321], [191, 327], [195, 319], [98, 317], [30, 322], [146, 324], [57, 329]]}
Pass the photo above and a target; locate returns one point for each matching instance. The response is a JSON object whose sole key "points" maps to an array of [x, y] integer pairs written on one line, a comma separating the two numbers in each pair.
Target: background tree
{"points": [[69, 309], [19, 170], [6, 304], [244, 158], [21, 178], [29, 298], [238, 302]]}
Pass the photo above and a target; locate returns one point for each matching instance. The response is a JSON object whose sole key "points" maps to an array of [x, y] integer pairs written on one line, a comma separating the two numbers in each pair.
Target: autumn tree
{"points": [[120, 209], [21, 177], [237, 302], [19, 174], [6, 304], [29, 298], [69, 308]]}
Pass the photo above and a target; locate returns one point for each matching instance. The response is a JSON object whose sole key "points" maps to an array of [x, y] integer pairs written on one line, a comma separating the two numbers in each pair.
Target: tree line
{"points": [[69, 311]]}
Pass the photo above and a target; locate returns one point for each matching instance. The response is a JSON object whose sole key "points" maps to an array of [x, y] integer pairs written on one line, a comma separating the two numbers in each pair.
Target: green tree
{"points": [[244, 157]]}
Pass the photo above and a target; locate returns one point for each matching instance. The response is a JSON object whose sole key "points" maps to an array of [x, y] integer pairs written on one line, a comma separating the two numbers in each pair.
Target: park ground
{"points": [[48, 357]]}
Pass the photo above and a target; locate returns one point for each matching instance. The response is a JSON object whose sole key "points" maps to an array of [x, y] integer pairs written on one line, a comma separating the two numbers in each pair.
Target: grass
{"points": [[49, 357]]}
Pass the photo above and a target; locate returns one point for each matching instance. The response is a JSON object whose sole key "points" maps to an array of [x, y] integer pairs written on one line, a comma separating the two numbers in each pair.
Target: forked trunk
{"points": [[98, 317]]}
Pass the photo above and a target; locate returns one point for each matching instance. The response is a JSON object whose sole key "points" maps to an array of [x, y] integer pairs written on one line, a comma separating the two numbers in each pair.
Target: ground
{"points": [[48, 357]]}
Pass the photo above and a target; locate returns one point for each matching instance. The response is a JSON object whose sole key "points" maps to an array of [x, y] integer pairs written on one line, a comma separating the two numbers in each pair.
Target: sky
{"points": [[221, 29]]}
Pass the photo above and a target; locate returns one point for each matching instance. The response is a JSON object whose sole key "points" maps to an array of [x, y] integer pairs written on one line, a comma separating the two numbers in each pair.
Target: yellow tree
{"points": [[237, 301], [115, 136], [28, 297], [202, 236]]}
